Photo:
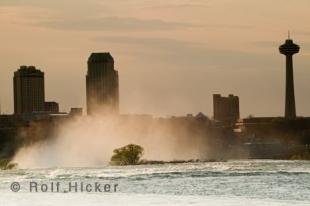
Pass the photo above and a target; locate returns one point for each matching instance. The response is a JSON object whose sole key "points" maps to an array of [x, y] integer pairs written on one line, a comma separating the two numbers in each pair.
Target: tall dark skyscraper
{"points": [[102, 90], [289, 49], [28, 90]]}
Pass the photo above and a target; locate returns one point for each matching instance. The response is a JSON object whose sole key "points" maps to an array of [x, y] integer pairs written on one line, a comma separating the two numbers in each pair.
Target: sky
{"points": [[172, 55]]}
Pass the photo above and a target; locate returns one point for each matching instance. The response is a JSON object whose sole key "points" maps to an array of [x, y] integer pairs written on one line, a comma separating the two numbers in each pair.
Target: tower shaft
{"points": [[290, 108]]}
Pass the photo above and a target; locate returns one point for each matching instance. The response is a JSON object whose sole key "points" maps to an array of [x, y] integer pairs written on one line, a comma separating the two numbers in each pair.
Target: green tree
{"points": [[127, 155]]}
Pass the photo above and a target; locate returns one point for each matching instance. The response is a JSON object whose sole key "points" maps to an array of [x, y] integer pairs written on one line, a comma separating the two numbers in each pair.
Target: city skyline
{"points": [[102, 85], [206, 47]]}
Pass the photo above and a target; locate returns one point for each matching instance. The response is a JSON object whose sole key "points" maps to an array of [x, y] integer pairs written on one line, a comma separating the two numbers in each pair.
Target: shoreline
{"points": [[8, 165]]}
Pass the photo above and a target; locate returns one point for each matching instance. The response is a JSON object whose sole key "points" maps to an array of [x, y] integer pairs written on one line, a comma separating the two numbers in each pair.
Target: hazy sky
{"points": [[171, 55]]}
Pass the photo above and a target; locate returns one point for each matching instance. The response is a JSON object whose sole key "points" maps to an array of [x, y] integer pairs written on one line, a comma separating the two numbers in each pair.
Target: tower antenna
{"points": [[288, 34]]}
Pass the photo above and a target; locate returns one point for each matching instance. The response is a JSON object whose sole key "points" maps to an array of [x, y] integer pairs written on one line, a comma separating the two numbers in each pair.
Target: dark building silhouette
{"points": [[51, 107], [289, 49], [28, 90], [102, 84], [76, 112], [226, 109]]}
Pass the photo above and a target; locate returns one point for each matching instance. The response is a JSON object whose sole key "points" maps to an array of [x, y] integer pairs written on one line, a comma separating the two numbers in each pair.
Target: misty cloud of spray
{"points": [[90, 141]]}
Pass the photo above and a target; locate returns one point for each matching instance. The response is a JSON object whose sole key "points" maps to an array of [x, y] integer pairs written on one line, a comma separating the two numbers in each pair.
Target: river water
{"points": [[239, 182]]}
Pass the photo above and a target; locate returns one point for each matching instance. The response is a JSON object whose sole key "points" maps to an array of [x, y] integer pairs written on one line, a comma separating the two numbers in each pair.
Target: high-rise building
{"points": [[102, 84], [28, 90], [226, 109], [289, 49]]}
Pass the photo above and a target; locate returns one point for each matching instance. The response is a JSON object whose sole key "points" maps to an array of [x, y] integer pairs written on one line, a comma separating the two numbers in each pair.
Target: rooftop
{"points": [[101, 57], [28, 70]]}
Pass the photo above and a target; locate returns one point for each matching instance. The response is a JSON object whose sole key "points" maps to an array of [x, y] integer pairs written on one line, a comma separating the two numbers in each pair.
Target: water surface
{"points": [[242, 182]]}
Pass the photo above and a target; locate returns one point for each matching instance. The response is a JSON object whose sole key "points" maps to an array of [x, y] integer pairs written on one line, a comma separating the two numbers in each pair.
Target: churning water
{"points": [[240, 182]]}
